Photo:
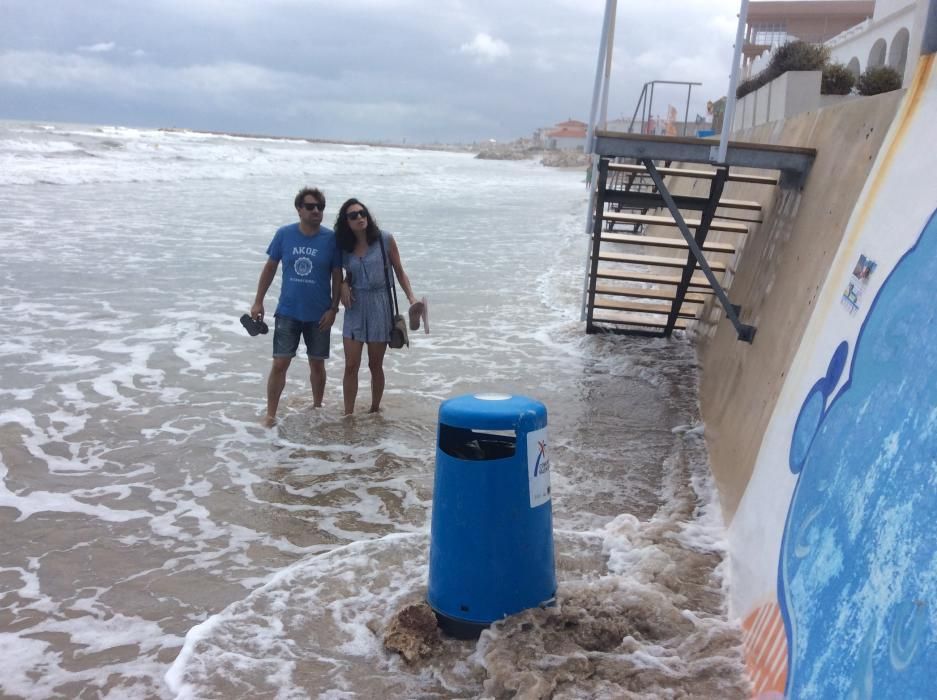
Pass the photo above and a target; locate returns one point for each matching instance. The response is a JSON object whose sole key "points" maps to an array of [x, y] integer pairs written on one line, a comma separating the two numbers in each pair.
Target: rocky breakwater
{"points": [[524, 149], [566, 159], [512, 150]]}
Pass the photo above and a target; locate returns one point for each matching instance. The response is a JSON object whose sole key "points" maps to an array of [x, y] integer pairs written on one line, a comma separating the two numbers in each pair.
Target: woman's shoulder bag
{"points": [[398, 329]]}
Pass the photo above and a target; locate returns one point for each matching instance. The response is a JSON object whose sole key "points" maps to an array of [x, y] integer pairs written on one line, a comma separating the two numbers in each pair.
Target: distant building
{"points": [[776, 22], [885, 33], [565, 136], [860, 33]]}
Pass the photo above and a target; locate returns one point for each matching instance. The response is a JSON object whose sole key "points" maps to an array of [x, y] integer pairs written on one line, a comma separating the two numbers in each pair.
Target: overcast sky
{"points": [[420, 70]]}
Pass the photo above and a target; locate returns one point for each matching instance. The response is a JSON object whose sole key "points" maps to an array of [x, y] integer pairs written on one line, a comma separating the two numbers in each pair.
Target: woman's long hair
{"points": [[343, 235]]}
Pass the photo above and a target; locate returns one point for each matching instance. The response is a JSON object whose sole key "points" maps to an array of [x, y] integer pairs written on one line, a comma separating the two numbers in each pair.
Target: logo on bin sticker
{"points": [[538, 467], [542, 464]]}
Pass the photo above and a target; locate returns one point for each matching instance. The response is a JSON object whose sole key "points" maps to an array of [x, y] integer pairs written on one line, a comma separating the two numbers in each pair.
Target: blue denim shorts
{"points": [[286, 336]]}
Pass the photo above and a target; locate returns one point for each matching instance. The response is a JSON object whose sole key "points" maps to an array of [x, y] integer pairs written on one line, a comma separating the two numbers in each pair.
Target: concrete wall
{"points": [[763, 102], [778, 275], [792, 93], [832, 100], [823, 432], [744, 112], [789, 94]]}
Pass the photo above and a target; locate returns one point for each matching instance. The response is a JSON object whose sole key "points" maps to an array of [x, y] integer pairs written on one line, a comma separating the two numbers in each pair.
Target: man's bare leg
{"points": [[317, 380], [275, 383]]}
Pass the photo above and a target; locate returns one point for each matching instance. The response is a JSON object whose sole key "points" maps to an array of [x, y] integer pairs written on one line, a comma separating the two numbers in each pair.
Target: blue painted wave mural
{"points": [[857, 579]]}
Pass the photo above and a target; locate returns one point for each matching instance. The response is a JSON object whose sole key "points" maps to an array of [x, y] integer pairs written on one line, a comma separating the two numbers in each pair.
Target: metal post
{"points": [[636, 108], [729, 116], [608, 69], [650, 106], [686, 116], [595, 244], [644, 108], [605, 50]]}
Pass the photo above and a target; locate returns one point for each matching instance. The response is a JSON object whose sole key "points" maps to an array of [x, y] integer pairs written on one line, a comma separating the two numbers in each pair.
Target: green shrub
{"points": [[877, 80], [837, 80], [794, 55], [747, 86], [798, 55]]}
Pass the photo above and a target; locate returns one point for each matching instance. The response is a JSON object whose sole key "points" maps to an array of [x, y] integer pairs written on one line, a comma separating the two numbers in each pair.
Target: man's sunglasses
{"points": [[360, 214], [313, 206]]}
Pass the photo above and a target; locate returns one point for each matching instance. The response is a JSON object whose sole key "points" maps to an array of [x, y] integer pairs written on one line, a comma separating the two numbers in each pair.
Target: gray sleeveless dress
{"points": [[369, 318]]}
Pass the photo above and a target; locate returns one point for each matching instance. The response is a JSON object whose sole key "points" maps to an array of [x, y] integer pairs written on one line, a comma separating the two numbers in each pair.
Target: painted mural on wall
{"points": [[857, 579], [834, 552]]}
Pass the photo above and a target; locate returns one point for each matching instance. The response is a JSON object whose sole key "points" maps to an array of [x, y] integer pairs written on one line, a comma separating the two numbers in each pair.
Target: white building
{"points": [[889, 37], [884, 40]]}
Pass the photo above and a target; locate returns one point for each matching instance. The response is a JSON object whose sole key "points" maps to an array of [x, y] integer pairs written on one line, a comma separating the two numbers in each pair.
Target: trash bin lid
{"points": [[491, 411]]}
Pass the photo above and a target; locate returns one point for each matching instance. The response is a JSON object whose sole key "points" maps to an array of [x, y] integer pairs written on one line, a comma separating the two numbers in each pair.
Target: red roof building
{"points": [[570, 134]]}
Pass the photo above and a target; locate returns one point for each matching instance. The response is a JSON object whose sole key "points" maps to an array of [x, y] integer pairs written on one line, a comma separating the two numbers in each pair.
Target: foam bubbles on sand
{"points": [[317, 627], [639, 613]]}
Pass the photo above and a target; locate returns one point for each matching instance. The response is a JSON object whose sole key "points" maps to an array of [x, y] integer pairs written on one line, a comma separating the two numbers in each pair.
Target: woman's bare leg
{"points": [[376, 365], [353, 350]]}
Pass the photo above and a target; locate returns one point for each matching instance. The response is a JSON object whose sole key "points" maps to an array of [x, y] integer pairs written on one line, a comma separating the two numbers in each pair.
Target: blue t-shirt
{"points": [[307, 262]]}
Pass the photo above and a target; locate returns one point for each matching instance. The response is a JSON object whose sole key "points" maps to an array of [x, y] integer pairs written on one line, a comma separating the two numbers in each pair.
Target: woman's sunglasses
{"points": [[360, 214]]}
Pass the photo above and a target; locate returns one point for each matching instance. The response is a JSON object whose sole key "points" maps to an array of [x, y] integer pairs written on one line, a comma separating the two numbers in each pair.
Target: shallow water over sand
{"points": [[140, 498]]}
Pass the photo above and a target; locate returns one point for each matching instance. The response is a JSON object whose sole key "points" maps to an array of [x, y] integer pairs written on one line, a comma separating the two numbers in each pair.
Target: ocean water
{"points": [[157, 542]]}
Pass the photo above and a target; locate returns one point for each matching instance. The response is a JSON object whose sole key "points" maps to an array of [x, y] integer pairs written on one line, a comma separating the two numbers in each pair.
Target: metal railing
{"points": [[646, 102]]}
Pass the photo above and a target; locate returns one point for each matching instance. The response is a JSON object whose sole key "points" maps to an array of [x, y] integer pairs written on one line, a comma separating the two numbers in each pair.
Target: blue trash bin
{"points": [[491, 543]]}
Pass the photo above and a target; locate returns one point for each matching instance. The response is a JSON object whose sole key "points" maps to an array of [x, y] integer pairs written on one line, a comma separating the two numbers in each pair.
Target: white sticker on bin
{"points": [[538, 467]]}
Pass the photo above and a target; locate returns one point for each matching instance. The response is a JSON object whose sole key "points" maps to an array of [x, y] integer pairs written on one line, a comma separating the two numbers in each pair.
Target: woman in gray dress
{"points": [[368, 306]]}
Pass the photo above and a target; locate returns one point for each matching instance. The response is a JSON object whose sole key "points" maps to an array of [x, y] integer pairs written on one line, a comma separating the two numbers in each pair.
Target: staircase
{"points": [[637, 284], [652, 284]]}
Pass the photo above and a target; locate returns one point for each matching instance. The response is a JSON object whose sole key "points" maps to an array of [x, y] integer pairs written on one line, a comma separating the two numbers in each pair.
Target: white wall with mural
{"points": [[834, 556]]}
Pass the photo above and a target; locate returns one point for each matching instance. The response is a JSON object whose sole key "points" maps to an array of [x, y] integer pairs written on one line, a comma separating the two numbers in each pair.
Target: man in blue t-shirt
{"points": [[309, 294]]}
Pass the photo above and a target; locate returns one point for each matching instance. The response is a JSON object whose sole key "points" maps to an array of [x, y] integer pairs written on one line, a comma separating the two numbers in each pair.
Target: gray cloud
{"points": [[450, 70], [102, 47]]}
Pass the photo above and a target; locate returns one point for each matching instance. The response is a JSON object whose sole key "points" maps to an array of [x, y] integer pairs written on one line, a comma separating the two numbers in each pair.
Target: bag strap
{"points": [[391, 288]]}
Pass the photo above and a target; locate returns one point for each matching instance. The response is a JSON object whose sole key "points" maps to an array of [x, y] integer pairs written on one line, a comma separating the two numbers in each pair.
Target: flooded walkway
{"points": [[640, 610], [148, 524]]}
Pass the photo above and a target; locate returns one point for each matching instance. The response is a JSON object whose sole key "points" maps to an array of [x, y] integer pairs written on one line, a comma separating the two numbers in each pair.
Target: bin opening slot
{"points": [[477, 445]]}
